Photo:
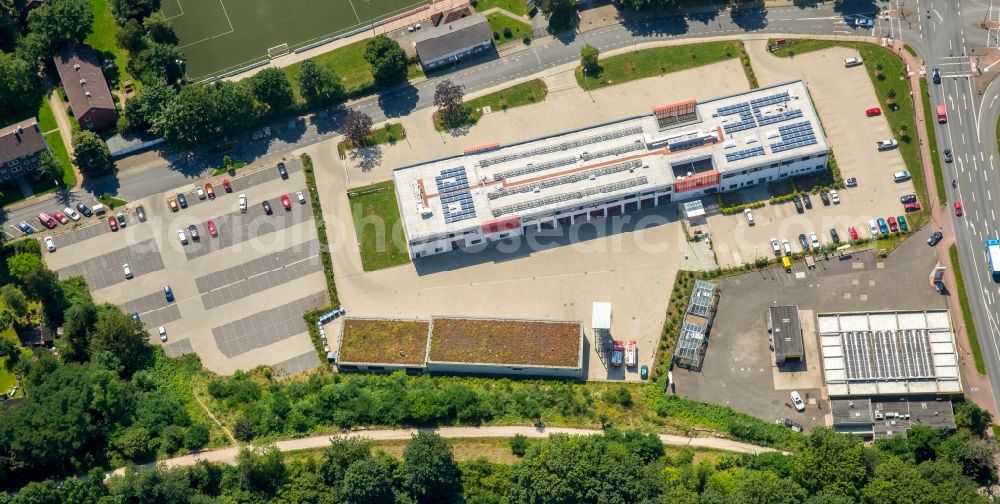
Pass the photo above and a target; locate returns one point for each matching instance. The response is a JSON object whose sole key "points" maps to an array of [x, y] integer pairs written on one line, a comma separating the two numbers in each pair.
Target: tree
{"points": [[519, 445], [320, 84], [196, 437], [19, 265], [588, 59], [234, 106], [49, 167], [143, 109], [133, 444], [357, 127], [159, 30], [131, 36], [387, 59], [968, 415], [74, 343], [125, 10], [91, 154], [17, 85], [830, 460], [15, 299], [561, 13], [156, 61], [188, 119], [54, 24], [122, 337], [430, 469], [367, 482], [341, 453], [271, 88], [42, 284], [261, 469], [448, 100], [243, 429]]}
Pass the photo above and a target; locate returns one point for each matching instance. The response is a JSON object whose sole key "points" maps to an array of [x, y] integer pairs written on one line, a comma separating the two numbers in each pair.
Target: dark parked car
{"points": [[936, 76], [909, 198], [140, 212], [282, 171], [182, 201], [825, 197], [807, 201], [267, 207], [168, 293], [84, 209], [834, 236], [193, 230], [947, 156], [935, 238], [798, 204], [804, 242]]}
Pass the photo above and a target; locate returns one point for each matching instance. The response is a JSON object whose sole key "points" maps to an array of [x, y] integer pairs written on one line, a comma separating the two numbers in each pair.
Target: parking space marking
{"points": [[261, 282], [236, 228], [266, 327], [270, 262], [178, 348], [296, 365], [106, 270]]}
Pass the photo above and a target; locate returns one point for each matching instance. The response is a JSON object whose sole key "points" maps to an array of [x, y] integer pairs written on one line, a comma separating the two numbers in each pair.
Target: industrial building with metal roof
{"points": [[889, 353], [786, 333], [883, 417], [676, 152]]}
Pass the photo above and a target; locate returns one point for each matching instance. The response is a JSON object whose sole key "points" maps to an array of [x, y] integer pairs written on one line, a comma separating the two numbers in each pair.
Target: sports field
{"points": [[218, 36]]}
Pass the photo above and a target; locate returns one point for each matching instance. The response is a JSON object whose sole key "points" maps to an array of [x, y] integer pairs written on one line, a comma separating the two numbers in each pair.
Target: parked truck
{"points": [[631, 354], [993, 257], [617, 351]]}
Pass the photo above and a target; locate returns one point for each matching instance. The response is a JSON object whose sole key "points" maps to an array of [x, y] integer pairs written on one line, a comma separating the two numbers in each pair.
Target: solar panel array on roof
{"points": [[533, 168], [566, 179], [743, 154], [458, 206], [887, 355], [782, 116], [514, 156], [572, 195], [452, 179], [701, 298], [746, 117], [614, 151], [795, 135]]}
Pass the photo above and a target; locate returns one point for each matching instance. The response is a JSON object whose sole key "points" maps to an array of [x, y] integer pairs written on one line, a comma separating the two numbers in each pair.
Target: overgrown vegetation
{"points": [[929, 123], [390, 133], [747, 67], [110, 201], [378, 226], [968, 321], [525, 93], [655, 61]]}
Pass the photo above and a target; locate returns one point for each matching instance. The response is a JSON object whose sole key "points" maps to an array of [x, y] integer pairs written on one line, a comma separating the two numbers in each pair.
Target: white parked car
{"points": [[746, 211], [163, 334], [814, 240], [182, 237], [834, 197], [787, 246], [127, 269], [872, 227], [71, 213], [301, 197], [201, 193], [797, 401], [50, 244], [243, 203], [775, 246]]}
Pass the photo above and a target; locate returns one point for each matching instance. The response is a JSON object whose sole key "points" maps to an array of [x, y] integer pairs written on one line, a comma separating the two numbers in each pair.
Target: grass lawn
{"points": [[349, 63], [893, 78], [519, 7], [518, 29], [226, 169], [970, 323], [46, 119], [525, 93], [655, 61], [102, 36], [929, 121], [390, 133], [7, 379], [58, 149], [378, 226], [110, 201]]}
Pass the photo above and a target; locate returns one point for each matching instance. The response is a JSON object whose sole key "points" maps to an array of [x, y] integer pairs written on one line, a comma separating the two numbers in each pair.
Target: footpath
{"points": [[228, 455]]}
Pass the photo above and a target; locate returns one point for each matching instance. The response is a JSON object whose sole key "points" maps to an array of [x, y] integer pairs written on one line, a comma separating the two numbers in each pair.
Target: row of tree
{"points": [[616, 467]]}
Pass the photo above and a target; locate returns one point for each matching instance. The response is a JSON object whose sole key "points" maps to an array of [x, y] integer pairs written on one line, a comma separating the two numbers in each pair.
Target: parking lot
{"points": [[239, 297], [841, 97], [739, 369]]}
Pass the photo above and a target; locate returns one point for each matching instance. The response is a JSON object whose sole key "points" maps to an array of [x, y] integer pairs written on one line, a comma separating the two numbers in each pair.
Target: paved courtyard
{"points": [[239, 298]]}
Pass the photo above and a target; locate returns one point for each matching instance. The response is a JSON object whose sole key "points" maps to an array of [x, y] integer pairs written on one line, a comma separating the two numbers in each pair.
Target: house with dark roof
{"points": [[453, 41], [87, 90], [20, 145]]}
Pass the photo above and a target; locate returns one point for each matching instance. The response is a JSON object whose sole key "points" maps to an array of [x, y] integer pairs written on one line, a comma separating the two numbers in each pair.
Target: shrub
{"points": [[507, 33], [243, 429], [496, 36], [519, 445]]}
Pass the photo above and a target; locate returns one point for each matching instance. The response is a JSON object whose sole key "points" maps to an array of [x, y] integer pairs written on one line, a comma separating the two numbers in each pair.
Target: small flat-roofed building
{"points": [[786, 333], [676, 153], [698, 318], [371, 344], [870, 354], [453, 41], [87, 90], [544, 348], [882, 417], [600, 321], [20, 146]]}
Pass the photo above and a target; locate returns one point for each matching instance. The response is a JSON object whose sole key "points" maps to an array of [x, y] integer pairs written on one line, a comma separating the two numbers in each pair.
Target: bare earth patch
{"points": [[530, 343]]}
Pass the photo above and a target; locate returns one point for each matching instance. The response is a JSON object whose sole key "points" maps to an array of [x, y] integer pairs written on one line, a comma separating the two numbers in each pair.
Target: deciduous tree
{"points": [[122, 337], [448, 100], [160, 30], [367, 482], [561, 13], [143, 109], [588, 59], [56, 23], [49, 168], [387, 59], [271, 88], [131, 36], [432, 476], [91, 154], [320, 84], [357, 127], [133, 9], [18, 85]]}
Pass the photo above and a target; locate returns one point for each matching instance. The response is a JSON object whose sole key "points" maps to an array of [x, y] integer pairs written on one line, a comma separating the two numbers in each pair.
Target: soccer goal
{"points": [[278, 51]]}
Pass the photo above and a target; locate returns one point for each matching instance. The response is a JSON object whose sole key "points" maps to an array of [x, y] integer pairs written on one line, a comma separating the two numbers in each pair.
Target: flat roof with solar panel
{"points": [[889, 353], [579, 169]]}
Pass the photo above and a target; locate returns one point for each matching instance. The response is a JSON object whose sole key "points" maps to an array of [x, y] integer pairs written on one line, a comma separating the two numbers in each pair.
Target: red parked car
{"points": [[853, 231], [226, 185], [874, 111], [286, 202], [958, 209], [61, 217], [893, 226], [212, 230], [911, 207], [113, 224], [209, 190], [47, 220]]}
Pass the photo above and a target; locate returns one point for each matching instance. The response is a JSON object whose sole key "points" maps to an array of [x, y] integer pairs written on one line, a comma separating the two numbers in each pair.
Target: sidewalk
{"points": [[977, 386]]}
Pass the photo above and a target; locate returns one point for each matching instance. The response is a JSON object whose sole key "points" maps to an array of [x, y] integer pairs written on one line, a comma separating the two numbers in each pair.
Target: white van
{"points": [[852, 62], [99, 209]]}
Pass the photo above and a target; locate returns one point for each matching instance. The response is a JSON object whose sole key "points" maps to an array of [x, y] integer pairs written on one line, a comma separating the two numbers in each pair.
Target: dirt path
{"points": [[228, 455], [65, 130]]}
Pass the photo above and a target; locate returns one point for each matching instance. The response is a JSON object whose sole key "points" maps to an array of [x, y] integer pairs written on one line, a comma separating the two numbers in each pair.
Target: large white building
{"points": [[677, 152]]}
